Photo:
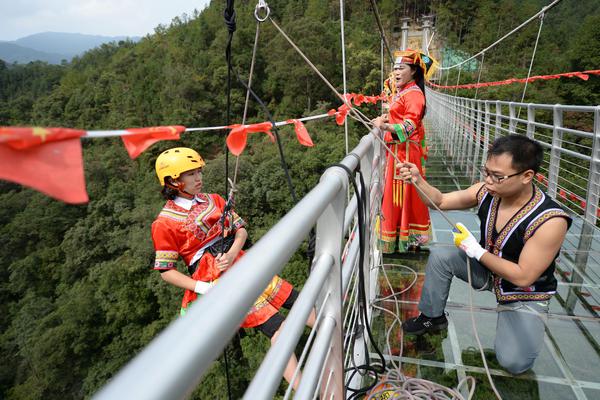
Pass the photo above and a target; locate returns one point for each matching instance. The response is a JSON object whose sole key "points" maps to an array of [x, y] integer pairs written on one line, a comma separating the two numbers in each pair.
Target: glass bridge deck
{"points": [[568, 366]]}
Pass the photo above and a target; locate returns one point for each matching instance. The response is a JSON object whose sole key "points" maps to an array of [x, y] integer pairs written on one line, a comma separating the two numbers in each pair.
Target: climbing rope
{"points": [[342, 36]]}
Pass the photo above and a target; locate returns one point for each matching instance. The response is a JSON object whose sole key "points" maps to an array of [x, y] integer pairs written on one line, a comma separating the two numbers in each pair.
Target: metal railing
{"points": [[571, 168], [172, 365], [570, 173]]}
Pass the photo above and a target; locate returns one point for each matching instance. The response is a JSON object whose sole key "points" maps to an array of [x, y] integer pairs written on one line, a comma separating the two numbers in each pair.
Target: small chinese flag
{"points": [[359, 99], [301, 133], [237, 138], [142, 138], [46, 159], [340, 113]]}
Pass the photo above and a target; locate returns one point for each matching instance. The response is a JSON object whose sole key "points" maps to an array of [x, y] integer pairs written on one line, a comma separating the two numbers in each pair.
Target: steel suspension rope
{"points": [[542, 11], [381, 30], [537, 39], [479, 75]]}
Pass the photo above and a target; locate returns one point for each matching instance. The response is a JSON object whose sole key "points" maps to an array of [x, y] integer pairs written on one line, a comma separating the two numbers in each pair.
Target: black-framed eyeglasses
{"points": [[498, 178]]}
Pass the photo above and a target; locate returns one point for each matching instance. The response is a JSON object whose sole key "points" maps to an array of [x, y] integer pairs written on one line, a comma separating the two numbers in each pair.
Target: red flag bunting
{"points": [[585, 75], [237, 138], [373, 99], [342, 113], [46, 159], [359, 99], [23, 138], [142, 138], [301, 133], [539, 177]]}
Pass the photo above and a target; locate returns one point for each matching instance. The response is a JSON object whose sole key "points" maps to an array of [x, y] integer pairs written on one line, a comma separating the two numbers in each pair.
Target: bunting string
{"points": [[585, 75], [50, 160]]}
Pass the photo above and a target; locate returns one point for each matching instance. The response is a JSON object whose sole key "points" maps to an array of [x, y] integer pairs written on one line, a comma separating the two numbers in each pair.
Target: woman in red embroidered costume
{"points": [[405, 219], [191, 226]]}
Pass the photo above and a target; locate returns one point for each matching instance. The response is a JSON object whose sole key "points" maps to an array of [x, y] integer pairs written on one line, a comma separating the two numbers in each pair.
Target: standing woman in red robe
{"points": [[191, 226], [405, 222]]}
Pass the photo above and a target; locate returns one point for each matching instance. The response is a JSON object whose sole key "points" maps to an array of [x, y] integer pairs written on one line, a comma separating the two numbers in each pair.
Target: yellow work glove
{"points": [[464, 240]]}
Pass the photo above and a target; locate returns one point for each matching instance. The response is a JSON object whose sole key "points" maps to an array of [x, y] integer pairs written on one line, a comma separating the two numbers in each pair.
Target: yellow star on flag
{"points": [[41, 132]]}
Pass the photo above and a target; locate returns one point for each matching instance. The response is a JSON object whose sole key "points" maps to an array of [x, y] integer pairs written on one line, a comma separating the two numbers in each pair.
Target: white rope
{"points": [[542, 11], [344, 68], [237, 159], [474, 326], [122, 132], [401, 386]]}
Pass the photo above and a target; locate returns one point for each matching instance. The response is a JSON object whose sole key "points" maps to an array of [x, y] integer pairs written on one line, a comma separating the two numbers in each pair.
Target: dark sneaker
{"points": [[423, 324]]}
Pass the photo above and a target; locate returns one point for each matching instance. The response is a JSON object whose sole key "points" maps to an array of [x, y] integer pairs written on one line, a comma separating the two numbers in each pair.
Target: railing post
{"points": [[497, 134], [366, 167], [478, 124], [463, 130], [486, 135], [512, 118], [330, 227], [593, 187], [530, 121], [470, 128], [557, 135], [453, 124]]}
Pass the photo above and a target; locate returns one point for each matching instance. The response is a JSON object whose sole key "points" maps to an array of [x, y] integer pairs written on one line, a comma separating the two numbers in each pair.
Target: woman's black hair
{"points": [[169, 192], [419, 78]]}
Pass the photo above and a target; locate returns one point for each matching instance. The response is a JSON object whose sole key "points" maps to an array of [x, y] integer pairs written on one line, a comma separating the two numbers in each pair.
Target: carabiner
{"points": [[262, 5]]}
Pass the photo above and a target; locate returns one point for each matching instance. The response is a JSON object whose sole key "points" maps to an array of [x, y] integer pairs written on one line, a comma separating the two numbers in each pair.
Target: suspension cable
{"points": [[479, 75], [380, 27], [537, 39], [542, 11], [457, 80]]}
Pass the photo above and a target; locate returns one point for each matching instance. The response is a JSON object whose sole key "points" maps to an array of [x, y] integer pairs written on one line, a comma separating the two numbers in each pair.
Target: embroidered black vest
{"points": [[509, 242]]}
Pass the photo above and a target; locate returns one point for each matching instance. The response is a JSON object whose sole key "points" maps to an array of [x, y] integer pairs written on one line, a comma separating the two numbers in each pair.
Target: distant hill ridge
{"points": [[53, 47]]}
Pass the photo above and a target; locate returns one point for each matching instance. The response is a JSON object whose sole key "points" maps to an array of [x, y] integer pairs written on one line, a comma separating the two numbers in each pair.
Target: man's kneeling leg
{"points": [[520, 334]]}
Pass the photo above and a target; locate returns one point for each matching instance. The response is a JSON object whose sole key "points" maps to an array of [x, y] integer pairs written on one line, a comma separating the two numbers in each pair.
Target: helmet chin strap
{"points": [[180, 186]]}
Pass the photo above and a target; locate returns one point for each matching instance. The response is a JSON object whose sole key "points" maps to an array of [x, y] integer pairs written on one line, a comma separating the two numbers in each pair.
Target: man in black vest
{"points": [[522, 230]]}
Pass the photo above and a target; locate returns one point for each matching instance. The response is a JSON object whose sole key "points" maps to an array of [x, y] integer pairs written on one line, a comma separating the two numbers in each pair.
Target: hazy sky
{"points": [[20, 18]]}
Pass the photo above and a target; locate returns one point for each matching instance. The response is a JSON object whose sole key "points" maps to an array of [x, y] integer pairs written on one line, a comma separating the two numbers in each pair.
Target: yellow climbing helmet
{"points": [[175, 161]]}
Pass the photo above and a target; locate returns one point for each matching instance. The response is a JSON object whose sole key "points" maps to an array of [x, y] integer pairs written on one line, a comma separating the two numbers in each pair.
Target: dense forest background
{"points": [[78, 298]]}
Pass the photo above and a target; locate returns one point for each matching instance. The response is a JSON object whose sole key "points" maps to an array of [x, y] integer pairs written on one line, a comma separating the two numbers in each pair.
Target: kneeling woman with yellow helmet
{"points": [[190, 226]]}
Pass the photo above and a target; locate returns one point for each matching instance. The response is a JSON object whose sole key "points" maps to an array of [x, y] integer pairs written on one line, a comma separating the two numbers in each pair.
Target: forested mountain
{"points": [[53, 47], [13, 53], [78, 298], [70, 44]]}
